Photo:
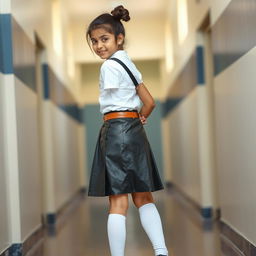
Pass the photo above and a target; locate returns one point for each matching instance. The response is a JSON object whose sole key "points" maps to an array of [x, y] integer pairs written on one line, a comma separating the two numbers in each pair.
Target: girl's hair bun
{"points": [[121, 13]]}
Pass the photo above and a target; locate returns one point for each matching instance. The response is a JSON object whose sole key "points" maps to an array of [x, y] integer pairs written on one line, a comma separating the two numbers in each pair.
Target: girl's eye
{"points": [[104, 39], [93, 41]]}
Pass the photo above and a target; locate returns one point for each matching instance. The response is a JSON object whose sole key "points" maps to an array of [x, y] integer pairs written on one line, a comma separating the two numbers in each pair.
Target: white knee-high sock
{"points": [[116, 233], [151, 222]]}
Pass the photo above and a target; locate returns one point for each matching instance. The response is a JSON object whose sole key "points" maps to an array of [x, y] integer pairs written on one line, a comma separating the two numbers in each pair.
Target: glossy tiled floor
{"points": [[85, 232]]}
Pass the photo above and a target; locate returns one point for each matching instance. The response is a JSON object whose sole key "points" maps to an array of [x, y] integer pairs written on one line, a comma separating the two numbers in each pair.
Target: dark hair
{"points": [[112, 23]]}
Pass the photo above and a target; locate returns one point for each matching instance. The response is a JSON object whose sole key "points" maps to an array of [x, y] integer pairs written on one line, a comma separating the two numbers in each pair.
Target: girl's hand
{"points": [[143, 119]]}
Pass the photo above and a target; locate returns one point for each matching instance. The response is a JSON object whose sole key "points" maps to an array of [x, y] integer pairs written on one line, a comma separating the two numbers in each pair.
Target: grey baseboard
{"points": [[206, 212], [32, 246], [55, 221], [5, 253], [233, 244]]}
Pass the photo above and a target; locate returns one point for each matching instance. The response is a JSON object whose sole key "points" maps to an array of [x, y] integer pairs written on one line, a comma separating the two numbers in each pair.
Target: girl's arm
{"points": [[147, 100]]}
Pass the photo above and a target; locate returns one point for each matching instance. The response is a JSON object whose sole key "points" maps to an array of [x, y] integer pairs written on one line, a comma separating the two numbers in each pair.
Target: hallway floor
{"points": [[185, 231]]}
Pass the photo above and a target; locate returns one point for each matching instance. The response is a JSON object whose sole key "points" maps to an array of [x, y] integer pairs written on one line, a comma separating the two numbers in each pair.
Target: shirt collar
{"points": [[119, 53]]}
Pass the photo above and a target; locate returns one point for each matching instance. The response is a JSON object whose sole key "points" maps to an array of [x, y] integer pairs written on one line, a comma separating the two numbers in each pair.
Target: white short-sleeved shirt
{"points": [[117, 91]]}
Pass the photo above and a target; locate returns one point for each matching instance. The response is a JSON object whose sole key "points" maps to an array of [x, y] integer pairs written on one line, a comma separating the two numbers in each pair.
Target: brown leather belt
{"points": [[113, 115]]}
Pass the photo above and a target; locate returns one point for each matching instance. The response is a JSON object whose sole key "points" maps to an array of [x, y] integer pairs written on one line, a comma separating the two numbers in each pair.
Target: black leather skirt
{"points": [[123, 160]]}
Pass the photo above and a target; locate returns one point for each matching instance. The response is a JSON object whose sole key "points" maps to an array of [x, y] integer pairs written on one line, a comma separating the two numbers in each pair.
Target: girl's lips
{"points": [[100, 53]]}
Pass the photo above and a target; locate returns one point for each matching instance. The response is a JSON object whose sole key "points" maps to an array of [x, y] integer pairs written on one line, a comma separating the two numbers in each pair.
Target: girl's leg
{"points": [[117, 223], [151, 221]]}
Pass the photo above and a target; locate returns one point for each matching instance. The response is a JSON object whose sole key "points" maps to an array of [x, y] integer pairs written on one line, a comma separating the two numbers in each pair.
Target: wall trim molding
{"points": [[23, 56], [190, 76], [56, 91], [200, 65], [6, 58], [207, 213], [56, 220], [234, 244], [232, 27], [33, 245]]}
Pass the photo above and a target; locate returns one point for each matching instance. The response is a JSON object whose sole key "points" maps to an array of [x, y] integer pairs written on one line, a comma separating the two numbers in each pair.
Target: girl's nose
{"points": [[99, 45]]}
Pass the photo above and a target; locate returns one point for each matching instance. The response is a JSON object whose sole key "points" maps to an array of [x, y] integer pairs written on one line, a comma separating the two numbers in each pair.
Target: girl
{"points": [[123, 162]]}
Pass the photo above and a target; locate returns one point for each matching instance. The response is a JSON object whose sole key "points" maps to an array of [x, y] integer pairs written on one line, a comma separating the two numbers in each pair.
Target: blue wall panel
{"points": [[186, 81], [6, 65], [234, 34], [57, 92], [200, 65], [24, 56]]}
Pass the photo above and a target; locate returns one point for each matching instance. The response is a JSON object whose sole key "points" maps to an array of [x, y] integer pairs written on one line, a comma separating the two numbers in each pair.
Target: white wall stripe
{"points": [[5, 6], [11, 146]]}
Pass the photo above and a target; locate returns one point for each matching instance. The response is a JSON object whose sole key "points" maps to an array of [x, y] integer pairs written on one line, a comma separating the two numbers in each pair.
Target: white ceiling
{"points": [[89, 9]]}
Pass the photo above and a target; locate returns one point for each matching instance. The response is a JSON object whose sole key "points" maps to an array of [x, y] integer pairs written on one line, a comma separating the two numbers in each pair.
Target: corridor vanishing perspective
{"points": [[187, 233]]}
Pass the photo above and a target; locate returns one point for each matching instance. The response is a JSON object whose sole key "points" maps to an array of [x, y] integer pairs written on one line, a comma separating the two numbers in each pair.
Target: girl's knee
{"points": [[142, 198], [118, 204]]}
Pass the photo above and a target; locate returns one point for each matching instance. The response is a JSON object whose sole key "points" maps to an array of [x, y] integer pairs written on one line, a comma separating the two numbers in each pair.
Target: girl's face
{"points": [[104, 43]]}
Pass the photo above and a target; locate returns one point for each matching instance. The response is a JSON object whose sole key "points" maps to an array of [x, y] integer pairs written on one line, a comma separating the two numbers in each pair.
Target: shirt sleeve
{"points": [[137, 74], [139, 77], [110, 76]]}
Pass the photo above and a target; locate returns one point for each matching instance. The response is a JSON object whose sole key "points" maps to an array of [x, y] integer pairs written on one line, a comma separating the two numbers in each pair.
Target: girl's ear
{"points": [[120, 39]]}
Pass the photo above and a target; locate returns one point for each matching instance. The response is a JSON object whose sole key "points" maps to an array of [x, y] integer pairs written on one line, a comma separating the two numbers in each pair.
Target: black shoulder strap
{"points": [[127, 70]]}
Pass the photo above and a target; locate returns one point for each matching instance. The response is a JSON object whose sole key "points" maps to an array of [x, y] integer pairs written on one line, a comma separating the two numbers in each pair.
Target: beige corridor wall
{"points": [[30, 187], [65, 138], [180, 51], [234, 123], [184, 147], [217, 8], [4, 231], [140, 44], [236, 144], [24, 198], [183, 120]]}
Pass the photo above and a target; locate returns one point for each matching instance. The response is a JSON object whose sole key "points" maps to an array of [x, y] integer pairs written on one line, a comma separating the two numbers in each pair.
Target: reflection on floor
{"points": [[85, 233]]}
